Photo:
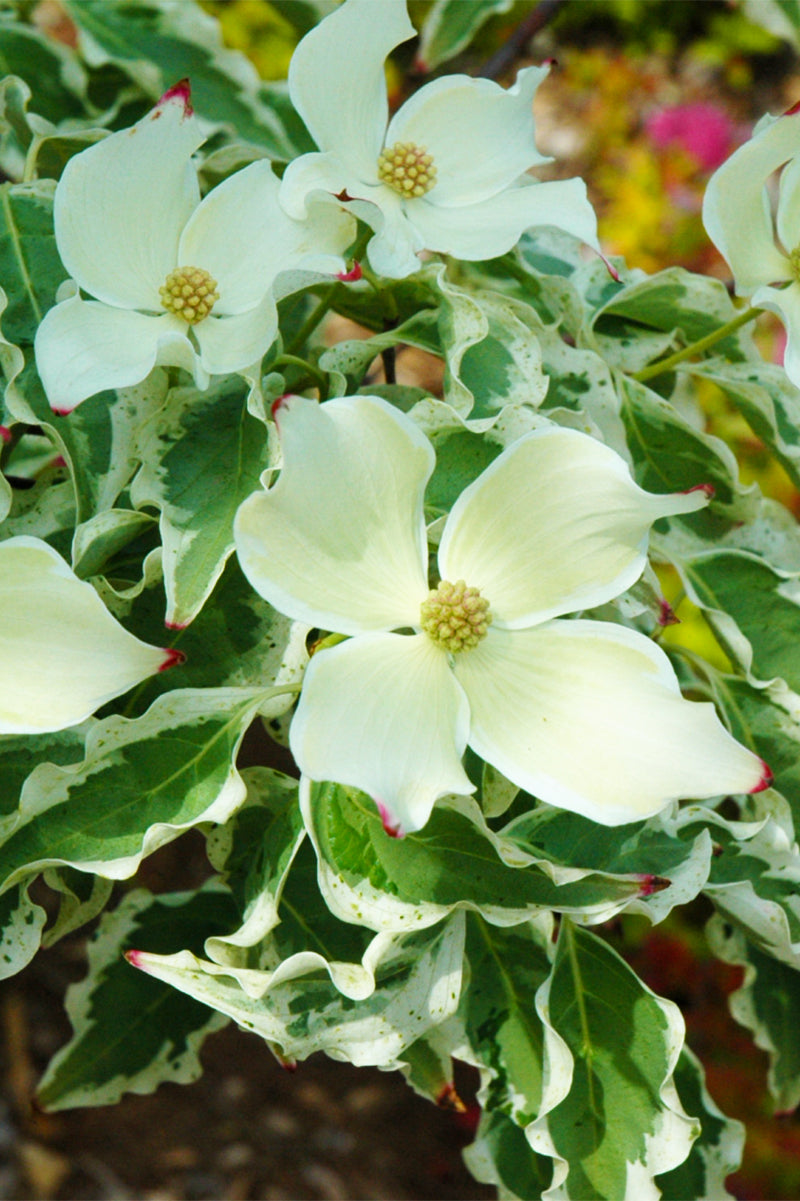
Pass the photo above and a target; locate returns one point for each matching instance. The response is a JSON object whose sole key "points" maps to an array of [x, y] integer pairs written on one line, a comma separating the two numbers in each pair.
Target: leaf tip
{"points": [[650, 884], [448, 1098], [666, 614]]}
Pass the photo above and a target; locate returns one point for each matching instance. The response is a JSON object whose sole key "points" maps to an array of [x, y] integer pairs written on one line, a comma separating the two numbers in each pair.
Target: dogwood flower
{"points": [[586, 715], [763, 251], [62, 654], [175, 280], [448, 174]]}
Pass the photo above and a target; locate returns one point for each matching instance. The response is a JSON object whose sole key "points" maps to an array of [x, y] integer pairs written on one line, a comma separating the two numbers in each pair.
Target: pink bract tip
{"points": [[766, 778], [350, 277], [794, 109], [62, 412], [392, 828], [181, 91], [288, 1065], [666, 614], [709, 490], [174, 658], [176, 625], [612, 271], [5, 433], [651, 884], [278, 404], [134, 958]]}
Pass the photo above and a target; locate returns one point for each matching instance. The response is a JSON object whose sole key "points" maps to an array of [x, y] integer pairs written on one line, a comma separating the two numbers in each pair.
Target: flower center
{"points": [[407, 168], [455, 616], [190, 293]]}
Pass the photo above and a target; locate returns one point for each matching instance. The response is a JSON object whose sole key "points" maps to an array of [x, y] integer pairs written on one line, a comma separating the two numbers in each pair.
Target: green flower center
{"points": [[407, 168], [456, 617], [190, 293]]}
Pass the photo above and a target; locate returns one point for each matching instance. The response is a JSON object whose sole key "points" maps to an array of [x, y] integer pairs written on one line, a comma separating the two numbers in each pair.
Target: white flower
{"points": [[448, 174], [586, 715], [763, 251], [176, 281], [62, 654]]}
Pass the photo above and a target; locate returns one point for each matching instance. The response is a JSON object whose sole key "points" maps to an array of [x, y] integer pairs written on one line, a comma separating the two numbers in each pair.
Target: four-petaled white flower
{"points": [[177, 281], [763, 251], [586, 715], [62, 654], [449, 172]]}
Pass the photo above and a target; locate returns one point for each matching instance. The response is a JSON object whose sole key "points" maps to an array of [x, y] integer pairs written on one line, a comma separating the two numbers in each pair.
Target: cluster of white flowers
{"points": [[586, 715]]}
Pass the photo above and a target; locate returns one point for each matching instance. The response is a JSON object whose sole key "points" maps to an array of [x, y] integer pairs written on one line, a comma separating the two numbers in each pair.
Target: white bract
{"points": [[762, 249], [176, 281], [586, 715], [448, 174], [62, 654]]}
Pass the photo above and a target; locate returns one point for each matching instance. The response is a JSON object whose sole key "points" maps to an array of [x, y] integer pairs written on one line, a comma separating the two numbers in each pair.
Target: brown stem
{"points": [[504, 58]]}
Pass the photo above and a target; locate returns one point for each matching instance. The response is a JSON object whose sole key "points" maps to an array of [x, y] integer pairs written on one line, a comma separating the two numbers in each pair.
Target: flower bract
{"points": [[63, 653], [447, 173], [584, 714], [762, 249], [175, 280]]}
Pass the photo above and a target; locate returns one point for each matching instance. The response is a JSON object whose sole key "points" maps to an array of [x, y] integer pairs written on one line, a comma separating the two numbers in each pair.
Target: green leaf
{"points": [[141, 783], [98, 540], [493, 358], [131, 1032], [303, 14], [620, 1122], [81, 897], [30, 267], [202, 454], [662, 313], [399, 884], [672, 867], [450, 26], [20, 753], [752, 610], [501, 1155], [768, 401], [670, 455], [100, 441], [54, 71], [238, 640], [364, 1013], [498, 1012], [767, 1004], [718, 1149], [767, 720], [352, 357], [21, 922], [255, 850], [755, 884], [157, 43]]}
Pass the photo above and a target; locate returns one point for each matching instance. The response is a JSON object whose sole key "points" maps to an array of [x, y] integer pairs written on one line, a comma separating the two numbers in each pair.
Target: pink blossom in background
{"points": [[703, 130]]}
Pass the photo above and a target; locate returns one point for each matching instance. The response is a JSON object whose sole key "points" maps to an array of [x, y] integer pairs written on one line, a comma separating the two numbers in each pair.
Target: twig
{"points": [[514, 47]]}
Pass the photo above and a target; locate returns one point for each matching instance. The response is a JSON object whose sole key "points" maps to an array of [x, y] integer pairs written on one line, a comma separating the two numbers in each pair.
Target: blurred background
{"points": [[644, 100]]}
